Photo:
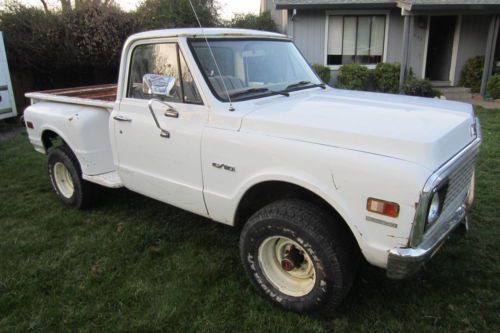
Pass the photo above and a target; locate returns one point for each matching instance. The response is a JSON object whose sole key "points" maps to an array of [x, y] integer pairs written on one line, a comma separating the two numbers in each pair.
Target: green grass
{"points": [[134, 264]]}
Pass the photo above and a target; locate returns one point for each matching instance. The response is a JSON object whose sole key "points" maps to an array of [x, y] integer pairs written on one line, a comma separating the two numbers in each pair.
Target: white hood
{"points": [[421, 130]]}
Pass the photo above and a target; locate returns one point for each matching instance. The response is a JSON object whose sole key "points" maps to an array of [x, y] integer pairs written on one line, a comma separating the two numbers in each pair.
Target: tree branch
{"points": [[45, 7]]}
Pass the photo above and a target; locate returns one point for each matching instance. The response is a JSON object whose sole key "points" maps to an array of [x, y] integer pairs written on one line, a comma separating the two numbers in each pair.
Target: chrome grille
{"points": [[458, 185]]}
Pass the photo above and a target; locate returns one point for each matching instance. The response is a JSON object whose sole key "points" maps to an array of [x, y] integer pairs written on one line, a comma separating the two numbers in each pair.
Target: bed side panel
{"points": [[84, 128]]}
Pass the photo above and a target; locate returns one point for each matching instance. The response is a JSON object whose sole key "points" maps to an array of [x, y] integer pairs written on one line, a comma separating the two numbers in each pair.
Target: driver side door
{"points": [[164, 167]]}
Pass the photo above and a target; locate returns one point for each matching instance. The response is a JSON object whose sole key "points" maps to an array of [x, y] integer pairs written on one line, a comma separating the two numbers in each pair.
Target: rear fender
{"points": [[84, 129]]}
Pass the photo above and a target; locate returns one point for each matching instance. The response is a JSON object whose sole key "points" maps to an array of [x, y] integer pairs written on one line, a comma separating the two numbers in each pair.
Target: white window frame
{"points": [[355, 13]]}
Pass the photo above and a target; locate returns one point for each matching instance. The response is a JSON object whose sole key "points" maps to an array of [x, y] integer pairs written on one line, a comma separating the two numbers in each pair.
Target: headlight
{"points": [[434, 209]]}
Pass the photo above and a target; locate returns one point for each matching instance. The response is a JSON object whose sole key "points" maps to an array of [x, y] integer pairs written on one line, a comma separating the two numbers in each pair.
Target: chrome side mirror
{"points": [[159, 85]]}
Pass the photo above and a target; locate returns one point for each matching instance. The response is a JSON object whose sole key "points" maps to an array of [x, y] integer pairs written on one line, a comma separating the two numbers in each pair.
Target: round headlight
{"points": [[434, 209]]}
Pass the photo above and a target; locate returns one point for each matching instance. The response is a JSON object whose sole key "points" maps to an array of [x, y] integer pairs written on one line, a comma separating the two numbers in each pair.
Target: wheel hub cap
{"points": [[64, 181], [292, 260], [287, 266]]}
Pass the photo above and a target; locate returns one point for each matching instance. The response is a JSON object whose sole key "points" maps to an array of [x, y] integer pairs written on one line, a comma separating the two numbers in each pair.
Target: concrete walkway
{"points": [[478, 100]]}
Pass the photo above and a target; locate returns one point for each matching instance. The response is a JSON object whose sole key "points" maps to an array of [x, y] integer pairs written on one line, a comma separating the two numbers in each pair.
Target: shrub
{"points": [[80, 43], [263, 21], [161, 14], [417, 87], [86, 36], [387, 77], [472, 73], [354, 77], [494, 86], [323, 72]]}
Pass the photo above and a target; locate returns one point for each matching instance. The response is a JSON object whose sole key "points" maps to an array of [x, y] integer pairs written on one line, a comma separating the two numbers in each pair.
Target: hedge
{"points": [[494, 86], [323, 72], [354, 77], [472, 72]]}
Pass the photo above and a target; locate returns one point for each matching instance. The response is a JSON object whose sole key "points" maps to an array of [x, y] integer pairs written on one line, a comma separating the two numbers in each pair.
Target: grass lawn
{"points": [[135, 264]]}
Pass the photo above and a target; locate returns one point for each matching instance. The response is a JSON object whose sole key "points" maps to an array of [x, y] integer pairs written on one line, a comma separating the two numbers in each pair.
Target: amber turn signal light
{"points": [[382, 207]]}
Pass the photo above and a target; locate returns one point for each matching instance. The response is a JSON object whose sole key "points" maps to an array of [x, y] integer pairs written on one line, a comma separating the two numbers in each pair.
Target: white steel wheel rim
{"points": [[296, 282], [64, 181]]}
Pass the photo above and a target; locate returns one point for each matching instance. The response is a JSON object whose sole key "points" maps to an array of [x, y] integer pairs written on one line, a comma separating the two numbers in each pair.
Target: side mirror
{"points": [[160, 85]]}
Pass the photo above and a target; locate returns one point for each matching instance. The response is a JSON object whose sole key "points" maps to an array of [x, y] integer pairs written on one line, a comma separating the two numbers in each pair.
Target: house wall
{"points": [[308, 32], [279, 16], [395, 36], [417, 51], [473, 35]]}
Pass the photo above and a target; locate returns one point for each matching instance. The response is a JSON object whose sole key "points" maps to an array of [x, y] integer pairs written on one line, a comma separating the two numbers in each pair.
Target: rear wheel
{"points": [[299, 256], [66, 178]]}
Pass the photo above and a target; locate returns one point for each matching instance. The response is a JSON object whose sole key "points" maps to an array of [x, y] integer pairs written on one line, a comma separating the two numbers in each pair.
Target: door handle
{"points": [[171, 112], [122, 118]]}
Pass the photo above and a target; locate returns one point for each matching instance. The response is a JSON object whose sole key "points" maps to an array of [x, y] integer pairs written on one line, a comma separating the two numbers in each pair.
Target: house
{"points": [[433, 38]]}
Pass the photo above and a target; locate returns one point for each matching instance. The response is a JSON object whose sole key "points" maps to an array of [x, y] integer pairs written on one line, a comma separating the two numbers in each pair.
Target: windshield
{"points": [[253, 68]]}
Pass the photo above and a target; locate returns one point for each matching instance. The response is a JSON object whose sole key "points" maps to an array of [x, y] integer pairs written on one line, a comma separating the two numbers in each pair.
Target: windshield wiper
{"points": [[258, 90], [248, 91], [304, 83]]}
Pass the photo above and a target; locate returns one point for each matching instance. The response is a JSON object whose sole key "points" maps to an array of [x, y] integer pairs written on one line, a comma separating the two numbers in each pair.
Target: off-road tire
{"points": [[83, 190], [331, 246]]}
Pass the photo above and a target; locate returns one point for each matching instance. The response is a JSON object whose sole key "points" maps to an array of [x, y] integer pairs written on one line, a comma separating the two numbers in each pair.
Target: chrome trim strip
{"points": [[404, 262], [34, 96], [382, 222], [417, 233], [6, 110]]}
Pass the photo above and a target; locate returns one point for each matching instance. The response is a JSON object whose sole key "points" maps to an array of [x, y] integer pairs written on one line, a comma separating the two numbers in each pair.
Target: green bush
{"points": [[417, 87], [472, 73], [80, 43], [263, 21], [86, 36], [354, 77], [494, 86], [323, 72], [162, 14], [387, 77]]}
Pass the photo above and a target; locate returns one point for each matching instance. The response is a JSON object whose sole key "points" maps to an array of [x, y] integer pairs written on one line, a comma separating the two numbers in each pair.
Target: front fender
{"points": [[343, 178]]}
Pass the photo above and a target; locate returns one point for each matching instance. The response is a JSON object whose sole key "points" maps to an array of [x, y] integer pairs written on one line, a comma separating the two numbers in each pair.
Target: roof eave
{"points": [[462, 7], [338, 6]]}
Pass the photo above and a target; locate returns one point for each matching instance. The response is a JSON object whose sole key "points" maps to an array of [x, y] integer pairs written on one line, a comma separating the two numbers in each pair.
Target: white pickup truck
{"points": [[234, 125]]}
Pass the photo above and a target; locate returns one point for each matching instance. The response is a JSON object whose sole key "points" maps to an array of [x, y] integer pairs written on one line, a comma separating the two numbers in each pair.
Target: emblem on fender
{"points": [[224, 166]]}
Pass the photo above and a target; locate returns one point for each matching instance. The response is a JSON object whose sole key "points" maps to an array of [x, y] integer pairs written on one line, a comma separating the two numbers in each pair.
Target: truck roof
{"points": [[208, 32]]}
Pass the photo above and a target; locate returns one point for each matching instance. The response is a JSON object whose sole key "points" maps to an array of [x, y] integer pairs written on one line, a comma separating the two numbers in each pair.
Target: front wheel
{"points": [[299, 256]]}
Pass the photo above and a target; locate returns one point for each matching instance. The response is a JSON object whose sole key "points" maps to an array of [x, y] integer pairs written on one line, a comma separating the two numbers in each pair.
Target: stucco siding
{"points": [[473, 35], [308, 31]]}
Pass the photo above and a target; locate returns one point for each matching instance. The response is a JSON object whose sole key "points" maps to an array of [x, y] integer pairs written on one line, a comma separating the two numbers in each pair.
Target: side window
{"points": [[159, 62], [191, 94]]}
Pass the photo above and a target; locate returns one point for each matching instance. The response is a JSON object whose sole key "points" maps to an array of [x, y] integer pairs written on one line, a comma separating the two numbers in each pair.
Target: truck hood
{"points": [[421, 130]]}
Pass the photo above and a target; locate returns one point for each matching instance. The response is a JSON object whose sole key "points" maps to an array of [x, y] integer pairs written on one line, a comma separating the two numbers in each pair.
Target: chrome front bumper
{"points": [[404, 262], [423, 244]]}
